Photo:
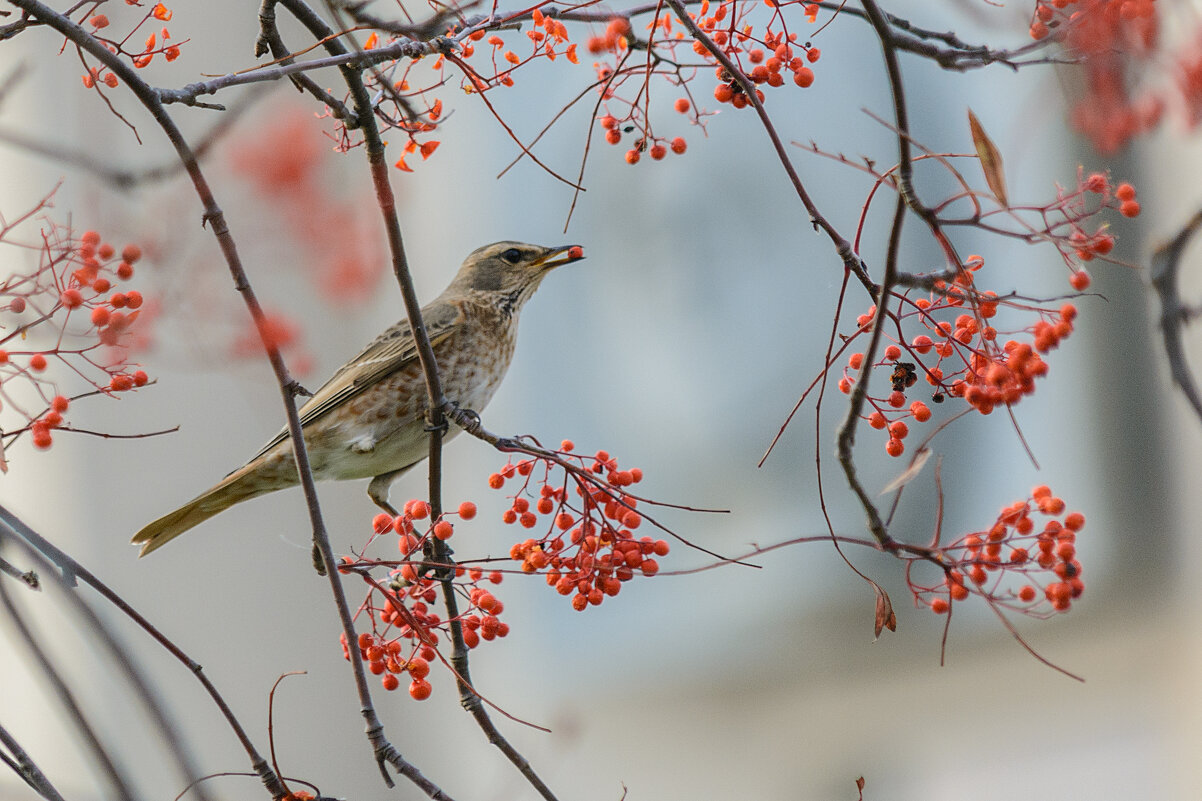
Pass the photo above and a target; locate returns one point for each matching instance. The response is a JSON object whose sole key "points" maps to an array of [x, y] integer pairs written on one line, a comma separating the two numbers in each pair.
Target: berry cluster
{"points": [[959, 350], [1092, 26], [405, 631], [990, 563], [766, 52], [961, 357], [629, 115], [738, 40], [1113, 41], [386, 657], [40, 327], [765, 57], [588, 549]]}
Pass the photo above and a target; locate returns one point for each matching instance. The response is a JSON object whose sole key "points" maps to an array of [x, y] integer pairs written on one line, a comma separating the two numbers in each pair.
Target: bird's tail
{"points": [[238, 486]]}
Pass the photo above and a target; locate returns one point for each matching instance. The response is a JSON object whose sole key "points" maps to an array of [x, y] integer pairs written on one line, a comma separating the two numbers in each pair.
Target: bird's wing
{"points": [[391, 351]]}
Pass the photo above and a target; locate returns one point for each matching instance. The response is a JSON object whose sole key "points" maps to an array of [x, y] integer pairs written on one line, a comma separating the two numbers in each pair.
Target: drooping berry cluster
{"points": [[765, 51], [769, 54], [1012, 564], [958, 350], [63, 329], [960, 357], [405, 631], [1114, 42], [624, 114], [588, 549]]}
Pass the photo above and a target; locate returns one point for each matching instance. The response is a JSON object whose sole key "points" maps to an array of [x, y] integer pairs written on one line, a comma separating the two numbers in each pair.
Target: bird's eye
{"points": [[513, 255]]}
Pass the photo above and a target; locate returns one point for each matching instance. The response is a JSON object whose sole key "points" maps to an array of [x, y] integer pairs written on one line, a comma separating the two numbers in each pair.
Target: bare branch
{"points": [[1166, 262]]}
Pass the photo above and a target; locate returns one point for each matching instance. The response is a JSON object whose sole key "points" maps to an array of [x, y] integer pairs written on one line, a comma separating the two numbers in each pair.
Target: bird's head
{"points": [[509, 272]]}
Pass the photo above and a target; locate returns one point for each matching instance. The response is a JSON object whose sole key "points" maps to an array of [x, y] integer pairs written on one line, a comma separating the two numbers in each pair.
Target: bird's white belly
{"points": [[366, 456]]}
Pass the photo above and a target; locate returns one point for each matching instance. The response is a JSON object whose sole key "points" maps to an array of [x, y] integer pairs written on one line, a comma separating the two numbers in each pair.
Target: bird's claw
{"points": [[467, 419], [297, 389]]}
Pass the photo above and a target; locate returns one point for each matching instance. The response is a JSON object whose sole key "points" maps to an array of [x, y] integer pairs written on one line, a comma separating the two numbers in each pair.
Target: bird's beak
{"points": [[564, 255]]}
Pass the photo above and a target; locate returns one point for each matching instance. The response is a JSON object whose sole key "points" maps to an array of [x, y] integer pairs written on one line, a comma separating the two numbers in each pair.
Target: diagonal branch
{"points": [[67, 572], [24, 766]]}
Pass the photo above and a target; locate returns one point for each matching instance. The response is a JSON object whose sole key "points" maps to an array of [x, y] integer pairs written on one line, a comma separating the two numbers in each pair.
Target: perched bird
{"points": [[368, 420]]}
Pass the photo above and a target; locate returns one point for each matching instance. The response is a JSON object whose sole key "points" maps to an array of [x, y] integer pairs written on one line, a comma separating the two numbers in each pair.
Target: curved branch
{"points": [[1166, 262]]}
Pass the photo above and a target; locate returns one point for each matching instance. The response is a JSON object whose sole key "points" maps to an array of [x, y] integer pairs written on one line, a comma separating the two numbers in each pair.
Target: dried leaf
{"points": [[885, 617], [910, 473], [991, 159]]}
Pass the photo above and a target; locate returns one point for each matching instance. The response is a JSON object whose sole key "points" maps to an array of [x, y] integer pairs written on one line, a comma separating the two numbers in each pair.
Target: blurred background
{"points": [[679, 345]]}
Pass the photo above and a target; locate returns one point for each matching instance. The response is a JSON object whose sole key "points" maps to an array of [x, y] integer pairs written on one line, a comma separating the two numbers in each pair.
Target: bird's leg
{"points": [[432, 563], [377, 490], [442, 426]]}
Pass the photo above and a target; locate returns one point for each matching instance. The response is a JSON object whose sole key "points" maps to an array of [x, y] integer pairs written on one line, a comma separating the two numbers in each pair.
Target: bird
{"points": [[368, 420]]}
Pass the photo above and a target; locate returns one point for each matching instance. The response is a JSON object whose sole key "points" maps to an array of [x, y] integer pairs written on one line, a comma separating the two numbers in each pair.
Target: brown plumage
{"points": [[368, 420]]}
